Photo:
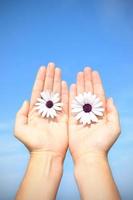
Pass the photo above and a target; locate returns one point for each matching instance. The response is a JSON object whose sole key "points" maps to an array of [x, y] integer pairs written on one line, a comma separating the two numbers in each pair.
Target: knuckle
{"points": [[56, 81], [48, 76]]}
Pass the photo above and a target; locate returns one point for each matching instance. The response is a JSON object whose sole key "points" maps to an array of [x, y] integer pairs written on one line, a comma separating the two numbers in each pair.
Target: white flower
{"points": [[87, 107], [48, 104]]}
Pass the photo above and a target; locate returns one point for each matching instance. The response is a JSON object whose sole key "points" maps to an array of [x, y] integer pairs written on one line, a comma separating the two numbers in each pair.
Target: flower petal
{"points": [[44, 113], [79, 115], [53, 112], [59, 104], [96, 112], [41, 100], [99, 104], [47, 114], [93, 117], [55, 98], [88, 118], [75, 110], [45, 96], [76, 106], [96, 101], [57, 108], [92, 98], [75, 102], [101, 109], [86, 98], [38, 104], [80, 99], [81, 120], [85, 119]]}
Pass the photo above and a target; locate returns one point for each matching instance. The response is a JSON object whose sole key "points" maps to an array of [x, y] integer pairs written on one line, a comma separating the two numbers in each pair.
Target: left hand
{"points": [[41, 134]]}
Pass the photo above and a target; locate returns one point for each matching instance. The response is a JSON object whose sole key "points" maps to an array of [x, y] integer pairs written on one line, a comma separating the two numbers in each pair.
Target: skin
{"points": [[48, 140], [89, 145], [46, 145]]}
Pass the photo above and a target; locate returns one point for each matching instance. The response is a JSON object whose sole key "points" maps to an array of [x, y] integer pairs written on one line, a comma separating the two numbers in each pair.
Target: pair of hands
{"points": [[55, 136]]}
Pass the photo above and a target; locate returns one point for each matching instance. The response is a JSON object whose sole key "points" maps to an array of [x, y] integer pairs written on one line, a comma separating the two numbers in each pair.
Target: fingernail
{"points": [[51, 64], [64, 82], [96, 72], [42, 67], [58, 69], [87, 68], [80, 74]]}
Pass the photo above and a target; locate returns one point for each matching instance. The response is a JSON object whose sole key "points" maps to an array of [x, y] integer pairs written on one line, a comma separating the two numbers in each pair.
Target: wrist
{"points": [[90, 156], [88, 160], [44, 153], [50, 162]]}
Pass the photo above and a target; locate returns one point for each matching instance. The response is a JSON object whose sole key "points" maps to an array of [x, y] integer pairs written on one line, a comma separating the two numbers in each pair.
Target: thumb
{"points": [[112, 113], [21, 122], [22, 115]]}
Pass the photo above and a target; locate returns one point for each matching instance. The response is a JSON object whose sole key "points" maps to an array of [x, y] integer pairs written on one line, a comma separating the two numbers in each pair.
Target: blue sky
{"points": [[71, 33]]}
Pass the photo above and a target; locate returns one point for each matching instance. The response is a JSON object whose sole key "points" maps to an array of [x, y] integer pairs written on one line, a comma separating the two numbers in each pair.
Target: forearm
{"points": [[94, 178], [42, 177]]}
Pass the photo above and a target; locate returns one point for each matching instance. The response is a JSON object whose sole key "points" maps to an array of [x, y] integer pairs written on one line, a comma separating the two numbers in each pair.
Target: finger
{"points": [[22, 115], [112, 113], [88, 79], [98, 87], [21, 122], [57, 81], [80, 83], [73, 94], [38, 85], [48, 85], [64, 96]]}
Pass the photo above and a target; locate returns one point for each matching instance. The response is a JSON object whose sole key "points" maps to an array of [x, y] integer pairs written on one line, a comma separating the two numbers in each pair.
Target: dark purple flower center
{"points": [[49, 104], [87, 107]]}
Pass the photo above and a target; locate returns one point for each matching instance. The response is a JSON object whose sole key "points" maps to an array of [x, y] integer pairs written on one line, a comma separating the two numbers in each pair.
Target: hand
{"points": [[97, 137], [41, 134]]}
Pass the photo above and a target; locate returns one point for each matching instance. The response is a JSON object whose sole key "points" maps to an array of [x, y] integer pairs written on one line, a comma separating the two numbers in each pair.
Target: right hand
{"points": [[97, 138]]}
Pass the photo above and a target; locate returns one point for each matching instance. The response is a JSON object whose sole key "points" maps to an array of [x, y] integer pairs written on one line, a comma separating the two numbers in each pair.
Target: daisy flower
{"points": [[87, 107], [48, 104]]}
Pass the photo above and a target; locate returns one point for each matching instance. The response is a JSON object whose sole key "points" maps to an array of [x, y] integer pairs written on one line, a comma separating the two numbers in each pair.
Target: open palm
{"points": [[97, 136], [42, 134]]}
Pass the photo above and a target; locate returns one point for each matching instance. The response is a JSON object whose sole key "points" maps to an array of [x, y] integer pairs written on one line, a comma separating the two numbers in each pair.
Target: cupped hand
{"points": [[96, 137], [43, 134]]}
